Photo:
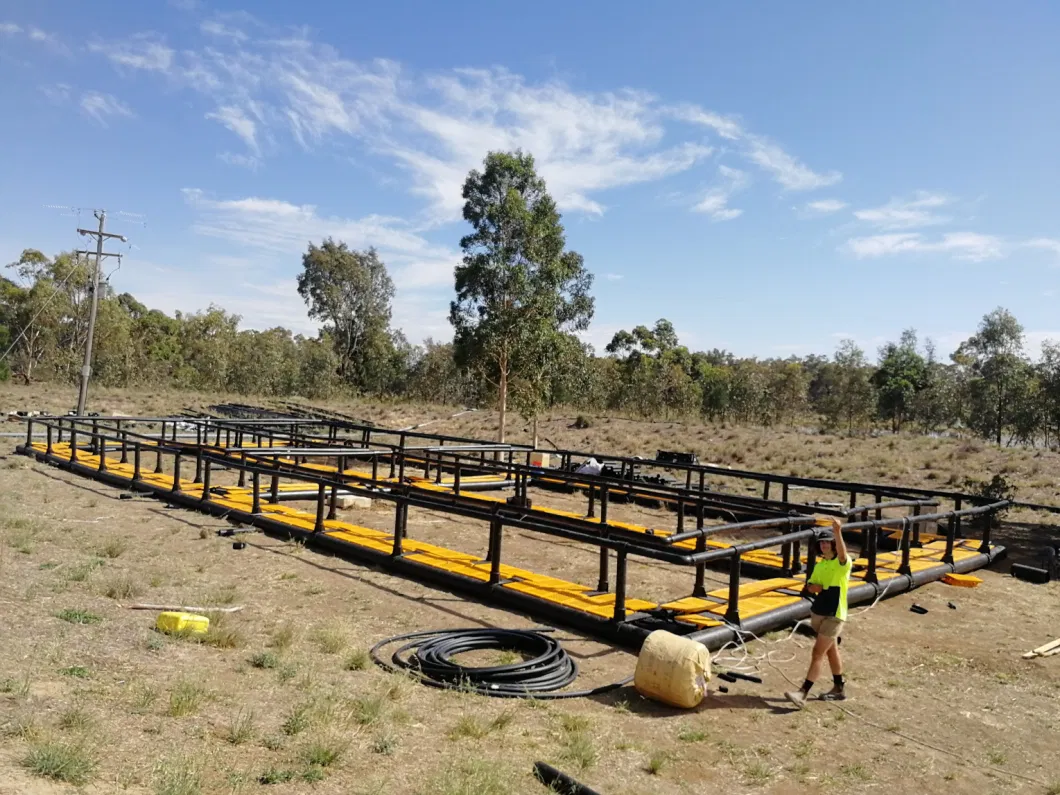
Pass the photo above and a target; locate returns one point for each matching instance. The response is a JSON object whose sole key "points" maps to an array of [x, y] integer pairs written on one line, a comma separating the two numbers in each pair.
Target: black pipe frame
{"points": [[497, 515]]}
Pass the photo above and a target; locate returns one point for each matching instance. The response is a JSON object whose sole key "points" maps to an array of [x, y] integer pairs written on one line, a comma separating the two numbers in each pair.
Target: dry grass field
{"points": [[280, 696]]}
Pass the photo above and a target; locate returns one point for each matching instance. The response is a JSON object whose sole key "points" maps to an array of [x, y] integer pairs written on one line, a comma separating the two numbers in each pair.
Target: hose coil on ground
{"points": [[545, 668]]}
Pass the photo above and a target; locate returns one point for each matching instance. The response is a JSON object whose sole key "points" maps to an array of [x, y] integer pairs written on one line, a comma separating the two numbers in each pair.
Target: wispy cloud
{"points": [[243, 161], [907, 213], [236, 120], [437, 126], [58, 93], [825, 206], [34, 34], [281, 228], [614, 277], [146, 51], [213, 27], [1047, 243], [785, 168], [716, 202], [788, 170], [101, 106], [970, 246]]}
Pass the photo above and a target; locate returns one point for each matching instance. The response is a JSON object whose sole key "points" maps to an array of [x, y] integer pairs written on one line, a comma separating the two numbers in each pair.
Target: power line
{"points": [[75, 269]]}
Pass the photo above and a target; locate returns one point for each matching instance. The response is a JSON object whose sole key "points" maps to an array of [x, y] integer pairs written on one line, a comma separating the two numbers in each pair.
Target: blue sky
{"points": [[770, 177]]}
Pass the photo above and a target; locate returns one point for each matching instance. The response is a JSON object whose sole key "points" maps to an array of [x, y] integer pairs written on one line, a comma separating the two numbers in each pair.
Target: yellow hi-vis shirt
{"points": [[832, 576]]}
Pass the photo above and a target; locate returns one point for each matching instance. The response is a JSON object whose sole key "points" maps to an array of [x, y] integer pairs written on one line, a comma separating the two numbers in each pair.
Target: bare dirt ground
{"points": [[279, 697]]}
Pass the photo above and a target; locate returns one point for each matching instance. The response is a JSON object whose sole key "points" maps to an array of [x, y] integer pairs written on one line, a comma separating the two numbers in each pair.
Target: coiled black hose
{"points": [[546, 669]]}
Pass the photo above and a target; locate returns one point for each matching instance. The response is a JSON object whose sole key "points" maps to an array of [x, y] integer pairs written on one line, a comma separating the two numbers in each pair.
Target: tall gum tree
{"points": [[517, 289]]}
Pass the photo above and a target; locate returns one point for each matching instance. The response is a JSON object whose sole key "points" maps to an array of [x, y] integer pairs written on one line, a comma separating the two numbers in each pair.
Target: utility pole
{"points": [[100, 235]]}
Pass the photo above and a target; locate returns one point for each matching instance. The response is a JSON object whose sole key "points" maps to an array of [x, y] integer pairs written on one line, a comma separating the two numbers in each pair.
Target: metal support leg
{"points": [[732, 612], [951, 526], [321, 498], [603, 584], [906, 537], [255, 479], [495, 551], [176, 472], [136, 462], [333, 502], [206, 481], [620, 586], [400, 527]]}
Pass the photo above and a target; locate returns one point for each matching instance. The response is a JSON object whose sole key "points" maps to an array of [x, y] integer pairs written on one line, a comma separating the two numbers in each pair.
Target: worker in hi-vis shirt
{"points": [[828, 585]]}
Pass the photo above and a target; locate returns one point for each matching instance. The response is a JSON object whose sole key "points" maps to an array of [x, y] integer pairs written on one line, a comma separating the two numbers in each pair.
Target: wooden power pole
{"points": [[100, 235]]}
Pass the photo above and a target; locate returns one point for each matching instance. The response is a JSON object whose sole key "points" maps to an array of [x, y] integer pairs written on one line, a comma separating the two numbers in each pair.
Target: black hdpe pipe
{"points": [[560, 782], [544, 671]]}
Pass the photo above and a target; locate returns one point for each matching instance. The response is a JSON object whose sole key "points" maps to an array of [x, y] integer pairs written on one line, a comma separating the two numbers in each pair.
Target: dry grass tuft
{"points": [[282, 638], [185, 699], [331, 639], [113, 548], [242, 728], [122, 586], [177, 776], [357, 660], [470, 777], [68, 762], [75, 719]]}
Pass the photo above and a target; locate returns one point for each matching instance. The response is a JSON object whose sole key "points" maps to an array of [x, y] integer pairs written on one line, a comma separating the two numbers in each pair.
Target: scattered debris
{"points": [[918, 609], [951, 605], [185, 608], [1030, 573], [962, 580], [239, 545], [1048, 650]]}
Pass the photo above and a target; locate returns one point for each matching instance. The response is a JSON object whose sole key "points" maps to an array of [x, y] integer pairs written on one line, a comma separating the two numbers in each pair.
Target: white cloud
{"points": [[58, 93], [102, 106], [282, 228], [1047, 243], [825, 206], [716, 201], [238, 122], [438, 126], [970, 246], [144, 51], [34, 34], [725, 126], [788, 170], [243, 161], [212, 27], [614, 277], [906, 213]]}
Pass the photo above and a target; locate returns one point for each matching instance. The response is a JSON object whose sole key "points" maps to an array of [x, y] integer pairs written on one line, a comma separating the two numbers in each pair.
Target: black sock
{"points": [[837, 680], [806, 686]]}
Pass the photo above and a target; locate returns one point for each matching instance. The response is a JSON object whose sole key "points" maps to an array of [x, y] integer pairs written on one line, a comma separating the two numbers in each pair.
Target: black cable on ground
{"points": [[545, 671], [559, 782]]}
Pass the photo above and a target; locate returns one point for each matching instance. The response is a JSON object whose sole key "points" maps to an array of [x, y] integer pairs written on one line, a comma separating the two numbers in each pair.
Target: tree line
{"points": [[521, 298]]}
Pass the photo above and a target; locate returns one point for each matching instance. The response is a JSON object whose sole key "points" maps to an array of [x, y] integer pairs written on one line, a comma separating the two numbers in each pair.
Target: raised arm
{"points": [[840, 544]]}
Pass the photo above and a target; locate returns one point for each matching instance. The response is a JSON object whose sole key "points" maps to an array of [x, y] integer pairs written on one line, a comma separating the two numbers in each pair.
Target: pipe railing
{"points": [[498, 516]]}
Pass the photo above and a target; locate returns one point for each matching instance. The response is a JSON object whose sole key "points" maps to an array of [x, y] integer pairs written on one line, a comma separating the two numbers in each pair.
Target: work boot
{"points": [[796, 697], [835, 694]]}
